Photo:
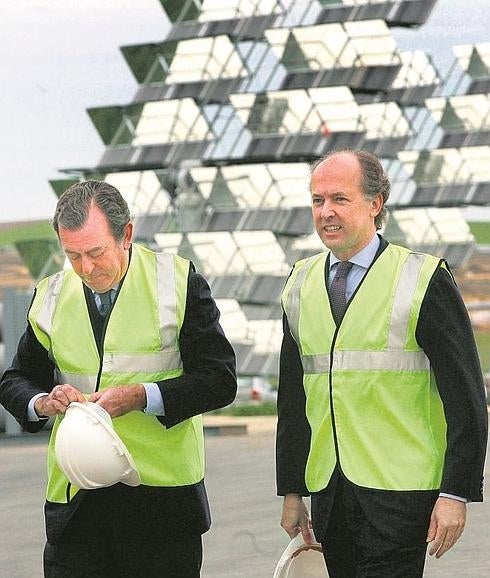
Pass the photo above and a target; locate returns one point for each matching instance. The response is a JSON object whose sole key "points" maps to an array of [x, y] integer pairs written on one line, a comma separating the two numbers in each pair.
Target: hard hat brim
{"points": [[295, 550], [67, 450]]}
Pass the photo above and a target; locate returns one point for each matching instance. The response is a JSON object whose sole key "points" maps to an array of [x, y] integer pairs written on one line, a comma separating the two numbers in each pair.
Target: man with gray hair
{"points": [[138, 333]]}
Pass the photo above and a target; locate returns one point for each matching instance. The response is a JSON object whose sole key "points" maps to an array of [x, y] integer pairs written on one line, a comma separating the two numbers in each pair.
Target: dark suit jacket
{"points": [[445, 334], [208, 382]]}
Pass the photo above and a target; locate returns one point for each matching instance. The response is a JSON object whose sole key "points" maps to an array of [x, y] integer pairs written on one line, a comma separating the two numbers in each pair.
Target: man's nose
{"points": [[86, 265], [327, 210]]}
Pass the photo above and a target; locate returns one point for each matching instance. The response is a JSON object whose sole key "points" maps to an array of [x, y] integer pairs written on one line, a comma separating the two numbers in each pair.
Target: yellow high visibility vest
{"points": [[140, 345], [371, 399]]}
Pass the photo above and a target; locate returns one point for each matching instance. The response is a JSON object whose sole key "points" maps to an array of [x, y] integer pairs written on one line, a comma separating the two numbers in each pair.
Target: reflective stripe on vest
{"points": [[140, 345], [367, 360], [370, 399]]}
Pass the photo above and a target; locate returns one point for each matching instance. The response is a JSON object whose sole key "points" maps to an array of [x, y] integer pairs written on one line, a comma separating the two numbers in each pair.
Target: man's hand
{"points": [[118, 401], [447, 523], [57, 400], [296, 518]]}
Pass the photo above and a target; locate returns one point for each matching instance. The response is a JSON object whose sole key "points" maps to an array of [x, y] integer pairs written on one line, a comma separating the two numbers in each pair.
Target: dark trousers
{"points": [[354, 548], [108, 538]]}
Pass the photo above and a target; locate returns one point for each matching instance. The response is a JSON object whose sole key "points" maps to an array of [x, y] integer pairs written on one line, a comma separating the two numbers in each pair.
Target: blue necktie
{"points": [[337, 290], [105, 302]]}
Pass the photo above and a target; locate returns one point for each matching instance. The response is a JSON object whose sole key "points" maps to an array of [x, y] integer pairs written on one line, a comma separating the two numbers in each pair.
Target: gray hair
{"points": [[373, 178], [74, 204]]}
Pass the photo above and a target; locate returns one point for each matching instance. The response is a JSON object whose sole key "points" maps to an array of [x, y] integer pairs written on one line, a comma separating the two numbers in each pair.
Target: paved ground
{"points": [[245, 541]]}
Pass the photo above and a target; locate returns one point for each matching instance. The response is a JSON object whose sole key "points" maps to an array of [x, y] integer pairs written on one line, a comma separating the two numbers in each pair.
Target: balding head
{"points": [[373, 179]]}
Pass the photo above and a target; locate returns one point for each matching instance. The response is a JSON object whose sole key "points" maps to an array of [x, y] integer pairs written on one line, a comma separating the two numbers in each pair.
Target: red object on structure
{"points": [[255, 393], [325, 129]]}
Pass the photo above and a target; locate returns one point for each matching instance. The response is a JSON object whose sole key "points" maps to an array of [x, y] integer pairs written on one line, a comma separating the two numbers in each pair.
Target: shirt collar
{"points": [[365, 256]]}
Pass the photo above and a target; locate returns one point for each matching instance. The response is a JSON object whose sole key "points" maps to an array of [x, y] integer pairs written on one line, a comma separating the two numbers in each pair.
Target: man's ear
{"points": [[377, 205], [128, 235]]}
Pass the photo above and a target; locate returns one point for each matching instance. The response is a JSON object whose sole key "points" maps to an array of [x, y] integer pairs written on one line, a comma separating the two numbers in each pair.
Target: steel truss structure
{"points": [[213, 152]]}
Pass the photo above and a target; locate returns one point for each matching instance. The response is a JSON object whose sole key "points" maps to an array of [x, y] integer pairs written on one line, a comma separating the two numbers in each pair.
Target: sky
{"points": [[60, 57]]}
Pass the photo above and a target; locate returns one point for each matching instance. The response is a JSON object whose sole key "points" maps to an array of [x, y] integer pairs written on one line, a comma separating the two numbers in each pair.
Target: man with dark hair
{"points": [[381, 409], [138, 333]]}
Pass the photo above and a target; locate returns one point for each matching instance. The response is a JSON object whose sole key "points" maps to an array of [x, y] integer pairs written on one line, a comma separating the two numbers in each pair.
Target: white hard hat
{"points": [[89, 451], [301, 561]]}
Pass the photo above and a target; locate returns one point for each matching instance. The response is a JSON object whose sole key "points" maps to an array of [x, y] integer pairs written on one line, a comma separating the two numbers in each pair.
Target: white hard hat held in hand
{"points": [[300, 560], [89, 451]]}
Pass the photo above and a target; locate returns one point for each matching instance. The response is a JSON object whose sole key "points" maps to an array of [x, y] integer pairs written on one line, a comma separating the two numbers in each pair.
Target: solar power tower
{"points": [[237, 100]]}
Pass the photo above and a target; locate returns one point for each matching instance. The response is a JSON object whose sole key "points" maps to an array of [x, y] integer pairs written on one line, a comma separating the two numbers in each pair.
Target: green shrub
{"points": [[238, 409]]}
